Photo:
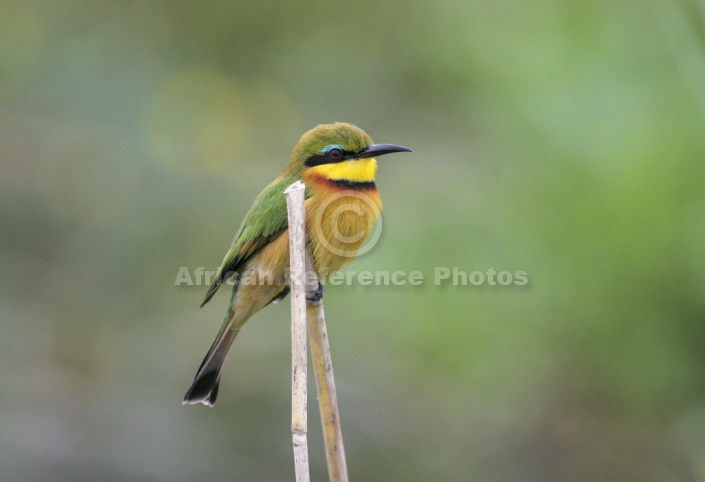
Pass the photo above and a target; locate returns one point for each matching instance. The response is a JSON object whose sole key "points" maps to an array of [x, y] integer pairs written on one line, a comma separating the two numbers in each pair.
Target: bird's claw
{"points": [[317, 297]]}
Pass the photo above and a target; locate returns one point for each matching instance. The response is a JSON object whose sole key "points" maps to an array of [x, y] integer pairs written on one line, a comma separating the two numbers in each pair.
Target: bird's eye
{"points": [[335, 154]]}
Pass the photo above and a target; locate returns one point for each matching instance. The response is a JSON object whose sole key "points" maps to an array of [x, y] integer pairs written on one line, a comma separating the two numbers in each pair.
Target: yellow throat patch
{"points": [[360, 170]]}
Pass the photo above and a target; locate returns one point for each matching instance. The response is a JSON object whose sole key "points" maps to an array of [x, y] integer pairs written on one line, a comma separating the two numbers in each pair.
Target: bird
{"points": [[337, 164]]}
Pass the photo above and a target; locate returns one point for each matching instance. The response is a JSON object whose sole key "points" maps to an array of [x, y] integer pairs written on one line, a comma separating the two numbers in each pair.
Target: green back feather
{"points": [[265, 220]]}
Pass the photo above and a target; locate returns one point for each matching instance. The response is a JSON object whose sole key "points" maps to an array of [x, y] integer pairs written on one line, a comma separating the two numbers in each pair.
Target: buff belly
{"points": [[338, 225]]}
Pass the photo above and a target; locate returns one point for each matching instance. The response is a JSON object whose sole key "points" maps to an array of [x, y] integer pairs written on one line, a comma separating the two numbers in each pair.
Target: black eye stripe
{"points": [[317, 160], [328, 158]]}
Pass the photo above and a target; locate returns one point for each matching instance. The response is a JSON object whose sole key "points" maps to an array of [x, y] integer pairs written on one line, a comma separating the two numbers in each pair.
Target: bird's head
{"points": [[340, 152]]}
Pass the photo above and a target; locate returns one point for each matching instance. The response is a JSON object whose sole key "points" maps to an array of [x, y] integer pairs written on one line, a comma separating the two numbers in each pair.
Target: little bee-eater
{"points": [[337, 164]]}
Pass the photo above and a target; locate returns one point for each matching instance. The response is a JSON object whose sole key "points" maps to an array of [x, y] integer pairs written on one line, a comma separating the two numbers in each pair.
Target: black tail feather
{"points": [[204, 388]]}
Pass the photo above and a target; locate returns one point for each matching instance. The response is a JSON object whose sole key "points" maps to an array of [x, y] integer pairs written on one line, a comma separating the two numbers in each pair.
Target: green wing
{"points": [[265, 220]]}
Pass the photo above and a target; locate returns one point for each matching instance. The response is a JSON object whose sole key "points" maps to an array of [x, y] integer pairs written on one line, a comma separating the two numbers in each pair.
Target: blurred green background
{"points": [[561, 138]]}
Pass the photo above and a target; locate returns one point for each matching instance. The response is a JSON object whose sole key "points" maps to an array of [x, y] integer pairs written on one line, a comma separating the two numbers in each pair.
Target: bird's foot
{"points": [[317, 297]]}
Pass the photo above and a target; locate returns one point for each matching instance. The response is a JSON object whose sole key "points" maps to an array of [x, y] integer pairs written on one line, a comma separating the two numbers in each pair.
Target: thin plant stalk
{"points": [[327, 398], [304, 287], [297, 254]]}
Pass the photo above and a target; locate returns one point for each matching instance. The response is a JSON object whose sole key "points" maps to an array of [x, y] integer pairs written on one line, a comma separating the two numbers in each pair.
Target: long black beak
{"points": [[377, 150]]}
